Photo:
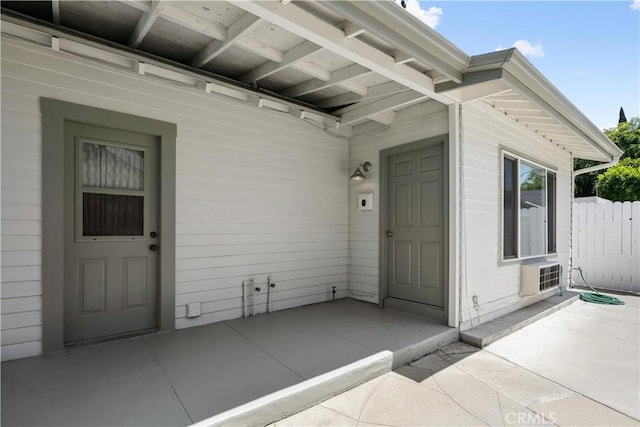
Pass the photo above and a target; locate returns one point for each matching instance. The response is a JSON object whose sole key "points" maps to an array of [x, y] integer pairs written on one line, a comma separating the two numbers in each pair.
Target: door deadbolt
{"points": [[389, 233], [153, 234]]}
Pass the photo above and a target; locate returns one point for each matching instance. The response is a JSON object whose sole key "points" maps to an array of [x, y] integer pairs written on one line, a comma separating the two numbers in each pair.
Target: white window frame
{"points": [[518, 158]]}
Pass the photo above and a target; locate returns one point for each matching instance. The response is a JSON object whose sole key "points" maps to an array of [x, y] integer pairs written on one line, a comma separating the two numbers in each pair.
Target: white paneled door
{"points": [[111, 240], [415, 226]]}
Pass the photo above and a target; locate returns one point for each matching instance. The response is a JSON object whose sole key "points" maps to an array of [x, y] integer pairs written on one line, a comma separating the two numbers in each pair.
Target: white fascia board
{"points": [[294, 19], [511, 67]]}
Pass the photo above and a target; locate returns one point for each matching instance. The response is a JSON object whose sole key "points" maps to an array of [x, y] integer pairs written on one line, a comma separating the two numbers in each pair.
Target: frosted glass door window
{"points": [[111, 190], [106, 166]]}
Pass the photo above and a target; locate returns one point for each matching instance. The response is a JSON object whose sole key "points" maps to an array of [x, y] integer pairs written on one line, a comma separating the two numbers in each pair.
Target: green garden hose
{"points": [[596, 297]]}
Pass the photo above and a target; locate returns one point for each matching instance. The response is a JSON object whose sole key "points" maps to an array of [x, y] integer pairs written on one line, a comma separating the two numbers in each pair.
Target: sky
{"points": [[590, 50]]}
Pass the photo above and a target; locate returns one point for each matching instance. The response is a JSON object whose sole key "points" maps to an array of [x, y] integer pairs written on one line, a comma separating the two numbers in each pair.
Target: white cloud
{"points": [[501, 48], [635, 5], [528, 49], [431, 16]]}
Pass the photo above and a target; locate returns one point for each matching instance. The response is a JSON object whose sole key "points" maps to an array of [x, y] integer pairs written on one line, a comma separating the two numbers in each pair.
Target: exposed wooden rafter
{"points": [[337, 77], [185, 19], [144, 24], [355, 113], [238, 29], [55, 11], [401, 57], [351, 30], [384, 117], [373, 92], [290, 57]]}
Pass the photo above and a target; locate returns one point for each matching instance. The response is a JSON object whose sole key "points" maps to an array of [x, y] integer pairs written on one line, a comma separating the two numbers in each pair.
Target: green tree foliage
{"points": [[621, 182], [627, 136]]}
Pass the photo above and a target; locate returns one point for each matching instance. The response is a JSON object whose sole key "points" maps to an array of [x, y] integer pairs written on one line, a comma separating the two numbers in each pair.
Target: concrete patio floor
{"points": [[577, 367], [590, 348], [183, 377], [459, 385]]}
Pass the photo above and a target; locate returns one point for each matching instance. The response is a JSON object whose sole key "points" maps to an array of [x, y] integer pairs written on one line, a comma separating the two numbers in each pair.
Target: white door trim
{"points": [[383, 245], [54, 115]]}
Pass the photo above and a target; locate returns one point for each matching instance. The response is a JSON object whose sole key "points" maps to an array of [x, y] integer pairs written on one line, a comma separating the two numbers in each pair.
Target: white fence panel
{"points": [[606, 244]]}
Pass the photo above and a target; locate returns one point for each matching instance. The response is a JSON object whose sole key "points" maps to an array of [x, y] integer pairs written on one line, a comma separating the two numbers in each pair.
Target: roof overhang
{"points": [[363, 60], [336, 64], [508, 82]]}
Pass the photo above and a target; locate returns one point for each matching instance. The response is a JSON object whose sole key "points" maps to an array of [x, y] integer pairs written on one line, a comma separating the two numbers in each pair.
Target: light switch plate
{"points": [[194, 309], [365, 201]]}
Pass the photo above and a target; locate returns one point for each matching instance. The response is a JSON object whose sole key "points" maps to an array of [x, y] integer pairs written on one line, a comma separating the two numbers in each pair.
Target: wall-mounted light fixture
{"points": [[358, 175]]}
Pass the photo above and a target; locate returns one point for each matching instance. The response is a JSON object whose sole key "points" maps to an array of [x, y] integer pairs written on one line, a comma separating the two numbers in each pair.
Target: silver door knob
{"points": [[389, 233]]}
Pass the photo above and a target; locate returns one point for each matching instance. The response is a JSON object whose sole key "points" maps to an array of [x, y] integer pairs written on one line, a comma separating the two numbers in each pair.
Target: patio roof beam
{"points": [[245, 24], [337, 77], [304, 24], [374, 19], [144, 24]]}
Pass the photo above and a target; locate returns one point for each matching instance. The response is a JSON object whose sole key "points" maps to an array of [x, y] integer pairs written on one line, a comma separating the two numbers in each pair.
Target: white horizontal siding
{"points": [[496, 283], [259, 193], [412, 124]]}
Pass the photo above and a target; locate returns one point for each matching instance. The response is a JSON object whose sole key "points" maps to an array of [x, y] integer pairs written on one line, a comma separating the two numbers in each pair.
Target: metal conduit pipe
{"points": [[256, 290], [270, 286], [244, 299]]}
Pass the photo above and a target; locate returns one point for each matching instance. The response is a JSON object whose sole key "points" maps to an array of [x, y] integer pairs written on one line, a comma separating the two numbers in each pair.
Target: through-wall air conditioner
{"points": [[539, 277]]}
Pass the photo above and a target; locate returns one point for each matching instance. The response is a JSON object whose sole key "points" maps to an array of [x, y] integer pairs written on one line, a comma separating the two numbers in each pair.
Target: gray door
{"points": [[110, 232], [416, 226]]}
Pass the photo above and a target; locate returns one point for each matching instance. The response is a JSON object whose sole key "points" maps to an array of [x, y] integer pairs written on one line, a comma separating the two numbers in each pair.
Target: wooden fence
{"points": [[606, 244]]}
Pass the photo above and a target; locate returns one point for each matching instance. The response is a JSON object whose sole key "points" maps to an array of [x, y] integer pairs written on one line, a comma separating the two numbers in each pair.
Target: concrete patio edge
{"points": [[290, 400], [490, 332]]}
